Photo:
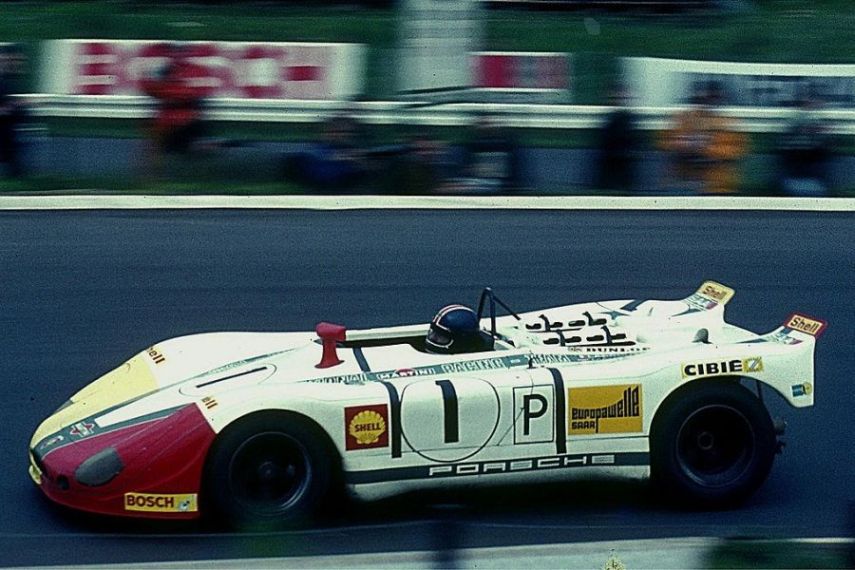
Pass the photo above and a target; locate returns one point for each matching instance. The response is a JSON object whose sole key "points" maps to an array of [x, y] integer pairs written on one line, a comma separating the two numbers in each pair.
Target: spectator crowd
{"points": [[704, 149]]}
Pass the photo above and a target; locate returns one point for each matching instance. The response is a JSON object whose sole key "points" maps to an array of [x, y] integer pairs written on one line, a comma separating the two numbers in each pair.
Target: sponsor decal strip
{"points": [[395, 412], [480, 365], [560, 415], [447, 470]]}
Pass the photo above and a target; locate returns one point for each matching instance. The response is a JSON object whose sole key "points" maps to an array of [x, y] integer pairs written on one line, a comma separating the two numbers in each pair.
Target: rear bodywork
{"points": [[565, 391]]}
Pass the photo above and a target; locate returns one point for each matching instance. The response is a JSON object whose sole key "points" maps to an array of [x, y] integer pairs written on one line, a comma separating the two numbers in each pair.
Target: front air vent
{"points": [[211, 384]]}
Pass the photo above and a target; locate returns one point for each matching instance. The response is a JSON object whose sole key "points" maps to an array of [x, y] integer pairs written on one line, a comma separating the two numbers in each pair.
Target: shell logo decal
{"points": [[366, 427]]}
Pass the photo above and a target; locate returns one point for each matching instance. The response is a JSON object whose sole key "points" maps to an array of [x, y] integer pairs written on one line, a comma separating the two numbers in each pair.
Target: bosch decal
{"points": [[605, 409], [155, 503], [752, 364], [366, 427]]}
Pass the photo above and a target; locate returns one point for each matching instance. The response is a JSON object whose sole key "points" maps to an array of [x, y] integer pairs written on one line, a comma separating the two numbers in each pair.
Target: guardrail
{"points": [[749, 119]]}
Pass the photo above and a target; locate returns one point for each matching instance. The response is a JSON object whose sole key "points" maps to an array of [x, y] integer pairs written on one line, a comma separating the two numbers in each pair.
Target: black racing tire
{"points": [[267, 472], [711, 445]]}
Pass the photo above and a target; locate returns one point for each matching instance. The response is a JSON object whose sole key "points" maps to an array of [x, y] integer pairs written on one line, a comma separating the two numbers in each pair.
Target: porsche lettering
{"points": [[510, 466]]}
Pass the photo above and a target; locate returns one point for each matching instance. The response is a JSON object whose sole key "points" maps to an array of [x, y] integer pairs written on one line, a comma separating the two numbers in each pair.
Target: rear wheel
{"points": [[267, 472], [712, 446]]}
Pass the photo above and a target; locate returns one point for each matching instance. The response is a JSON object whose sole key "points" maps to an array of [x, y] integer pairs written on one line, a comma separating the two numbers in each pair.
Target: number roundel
{"points": [[447, 421]]}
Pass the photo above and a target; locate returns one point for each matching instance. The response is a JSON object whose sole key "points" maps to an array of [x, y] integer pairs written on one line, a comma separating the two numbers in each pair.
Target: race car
{"points": [[264, 429]]}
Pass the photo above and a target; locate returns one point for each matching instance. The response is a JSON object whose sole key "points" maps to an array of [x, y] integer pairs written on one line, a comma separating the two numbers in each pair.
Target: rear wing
{"points": [[796, 329]]}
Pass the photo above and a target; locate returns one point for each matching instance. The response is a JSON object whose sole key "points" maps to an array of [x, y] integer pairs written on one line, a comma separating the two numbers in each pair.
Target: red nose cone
{"points": [[330, 334]]}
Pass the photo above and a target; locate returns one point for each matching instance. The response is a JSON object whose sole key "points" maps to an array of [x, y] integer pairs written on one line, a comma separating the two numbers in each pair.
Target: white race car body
{"points": [[564, 391]]}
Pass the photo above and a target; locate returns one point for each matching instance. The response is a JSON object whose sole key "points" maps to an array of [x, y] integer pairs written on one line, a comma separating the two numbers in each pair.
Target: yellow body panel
{"points": [[132, 379]]}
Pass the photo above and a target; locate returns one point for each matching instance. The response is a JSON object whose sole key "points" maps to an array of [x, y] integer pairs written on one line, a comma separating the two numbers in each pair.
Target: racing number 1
{"points": [[450, 412]]}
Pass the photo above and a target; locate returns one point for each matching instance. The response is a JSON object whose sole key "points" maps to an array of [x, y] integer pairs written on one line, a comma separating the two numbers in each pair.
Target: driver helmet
{"points": [[453, 330]]}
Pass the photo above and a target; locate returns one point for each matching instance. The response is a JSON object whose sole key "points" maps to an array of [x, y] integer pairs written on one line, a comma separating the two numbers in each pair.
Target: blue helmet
{"points": [[453, 330]]}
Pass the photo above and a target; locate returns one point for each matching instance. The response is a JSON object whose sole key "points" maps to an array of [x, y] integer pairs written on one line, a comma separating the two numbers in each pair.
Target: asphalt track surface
{"points": [[83, 291]]}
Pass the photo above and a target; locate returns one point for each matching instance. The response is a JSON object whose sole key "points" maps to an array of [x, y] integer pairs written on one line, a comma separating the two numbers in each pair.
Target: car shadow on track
{"points": [[581, 503]]}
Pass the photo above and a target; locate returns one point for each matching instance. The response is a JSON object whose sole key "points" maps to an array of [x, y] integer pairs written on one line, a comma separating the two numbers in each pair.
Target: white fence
{"points": [[749, 119]]}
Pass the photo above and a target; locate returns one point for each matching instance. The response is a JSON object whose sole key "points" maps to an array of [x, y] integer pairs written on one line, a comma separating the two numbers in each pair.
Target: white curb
{"points": [[145, 202]]}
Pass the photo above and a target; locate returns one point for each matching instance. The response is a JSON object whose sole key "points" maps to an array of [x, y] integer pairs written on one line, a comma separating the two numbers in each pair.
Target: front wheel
{"points": [[267, 472], [712, 446]]}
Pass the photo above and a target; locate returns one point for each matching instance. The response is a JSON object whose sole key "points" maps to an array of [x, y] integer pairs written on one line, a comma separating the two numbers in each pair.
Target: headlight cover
{"points": [[99, 469]]}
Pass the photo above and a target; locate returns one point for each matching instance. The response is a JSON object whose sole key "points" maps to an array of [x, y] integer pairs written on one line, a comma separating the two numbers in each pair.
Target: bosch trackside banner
{"points": [[521, 71], [249, 70], [664, 82]]}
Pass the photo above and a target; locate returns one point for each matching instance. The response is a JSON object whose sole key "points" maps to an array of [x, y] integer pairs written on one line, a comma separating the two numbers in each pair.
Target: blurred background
{"points": [[455, 97]]}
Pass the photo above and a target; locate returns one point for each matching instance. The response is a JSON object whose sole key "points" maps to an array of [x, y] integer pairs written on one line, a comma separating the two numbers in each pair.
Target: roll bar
{"points": [[487, 294]]}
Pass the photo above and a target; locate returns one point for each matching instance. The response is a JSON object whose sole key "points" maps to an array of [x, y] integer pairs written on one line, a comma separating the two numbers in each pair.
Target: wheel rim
{"points": [[269, 473], [715, 445]]}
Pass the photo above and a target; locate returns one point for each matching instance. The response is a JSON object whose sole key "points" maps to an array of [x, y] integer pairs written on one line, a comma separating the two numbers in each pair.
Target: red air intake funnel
{"points": [[330, 334]]}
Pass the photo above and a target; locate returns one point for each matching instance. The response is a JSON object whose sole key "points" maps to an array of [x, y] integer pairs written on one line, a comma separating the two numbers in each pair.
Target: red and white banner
{"points": [[249, 70], [521, 71]]}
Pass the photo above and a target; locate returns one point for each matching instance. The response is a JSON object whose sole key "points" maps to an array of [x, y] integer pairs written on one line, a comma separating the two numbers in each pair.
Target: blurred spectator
{"points": [[12, 110], [421, 168], [178, 124], [619, 144], [804, 152], [705, 145], [336, 162], [490, 162]]}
